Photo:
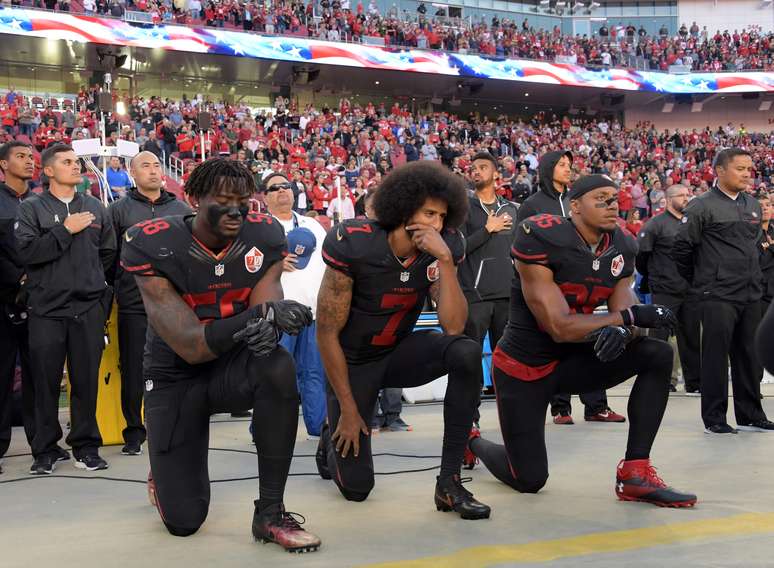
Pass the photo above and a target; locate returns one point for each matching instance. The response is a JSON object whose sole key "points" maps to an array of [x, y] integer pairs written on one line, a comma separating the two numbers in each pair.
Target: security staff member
{"points": [[147, 200], [486, 273], [66, 242], [716, 250], [668, 287], [555, 172], [18, 166]]}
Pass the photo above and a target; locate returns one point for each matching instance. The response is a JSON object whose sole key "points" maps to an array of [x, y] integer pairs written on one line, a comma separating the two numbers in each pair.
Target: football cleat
{"points": [[469, 459], [563, 418], [450, 495], [606, 415], [637, 480], [276, 525]]}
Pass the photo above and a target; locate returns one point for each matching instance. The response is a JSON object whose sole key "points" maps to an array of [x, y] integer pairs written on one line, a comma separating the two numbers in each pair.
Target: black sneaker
{"points": [[321, 457], [720, 429], [450, 495], [692, 391], [245, 414], [672, 388], [757, 426], [397, 425], [60, 454], [43, 465], [90, 462], [132, 449]]}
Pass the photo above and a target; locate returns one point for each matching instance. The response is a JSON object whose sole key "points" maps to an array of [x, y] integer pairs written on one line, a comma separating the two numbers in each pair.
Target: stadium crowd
{"points": [[360, 144], [615, 46]]}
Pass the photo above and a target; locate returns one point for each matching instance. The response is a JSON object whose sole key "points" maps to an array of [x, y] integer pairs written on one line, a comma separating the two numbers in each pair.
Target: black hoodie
{"points": [[547, 199], [127, 212]]}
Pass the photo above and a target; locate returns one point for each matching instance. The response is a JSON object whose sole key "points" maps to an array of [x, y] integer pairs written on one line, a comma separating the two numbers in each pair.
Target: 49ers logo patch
{"points": [[433, 272], [616, 267], [253, 260]]}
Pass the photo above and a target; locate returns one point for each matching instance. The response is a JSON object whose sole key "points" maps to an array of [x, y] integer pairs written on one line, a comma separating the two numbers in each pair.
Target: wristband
{"points": [[219, 334], [627, 317]]}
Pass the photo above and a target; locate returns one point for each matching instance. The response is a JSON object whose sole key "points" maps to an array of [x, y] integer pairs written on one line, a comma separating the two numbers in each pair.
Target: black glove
{"points": [[288, 316], [644, 285], [611, 342], [260, 336], [650, 316]]}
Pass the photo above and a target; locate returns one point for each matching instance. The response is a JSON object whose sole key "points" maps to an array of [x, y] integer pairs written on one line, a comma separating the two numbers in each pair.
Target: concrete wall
{"points": [[715, 113], [726, 14]]}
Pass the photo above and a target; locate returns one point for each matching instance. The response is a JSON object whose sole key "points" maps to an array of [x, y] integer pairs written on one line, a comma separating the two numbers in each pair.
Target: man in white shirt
{"points": [[302, 274]]}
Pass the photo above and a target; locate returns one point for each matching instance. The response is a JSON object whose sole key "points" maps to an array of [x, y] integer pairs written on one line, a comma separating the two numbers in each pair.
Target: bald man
{"points": [[145, 200], [655, 263]]}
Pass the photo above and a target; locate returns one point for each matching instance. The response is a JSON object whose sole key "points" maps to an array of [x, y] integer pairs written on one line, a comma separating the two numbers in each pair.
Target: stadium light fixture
{"points": [[578, 6], [696, 107], [594, 5], [765, 105], [668, 107]]}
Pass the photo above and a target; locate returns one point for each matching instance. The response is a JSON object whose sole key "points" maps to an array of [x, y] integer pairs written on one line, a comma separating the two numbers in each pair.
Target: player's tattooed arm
{"points": [[333, 305], [174, 321], [548, 305]]}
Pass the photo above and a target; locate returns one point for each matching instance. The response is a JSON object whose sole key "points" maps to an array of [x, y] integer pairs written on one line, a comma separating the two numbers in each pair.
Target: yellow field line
{"points": [[616, 541]]}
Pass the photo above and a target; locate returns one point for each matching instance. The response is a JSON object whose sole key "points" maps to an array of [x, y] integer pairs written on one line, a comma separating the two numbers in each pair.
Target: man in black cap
{"points": [[658, 269], [554, 342], [555, 171]]}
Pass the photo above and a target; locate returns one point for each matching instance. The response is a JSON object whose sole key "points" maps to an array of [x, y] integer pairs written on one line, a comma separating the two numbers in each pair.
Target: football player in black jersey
{"points": [[554, 342], [210, 283], [378, 277]]}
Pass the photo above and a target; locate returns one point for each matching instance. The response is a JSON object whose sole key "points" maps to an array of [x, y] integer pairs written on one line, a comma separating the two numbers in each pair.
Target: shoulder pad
{"points": [[625, 242], [551, 229], [263, 229]]}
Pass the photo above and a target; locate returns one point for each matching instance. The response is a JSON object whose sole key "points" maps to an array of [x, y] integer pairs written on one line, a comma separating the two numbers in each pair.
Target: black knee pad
{"points": [[280, 372], [530, 485], [463, 354], [659, 354], [350, 495], [180, 531]]}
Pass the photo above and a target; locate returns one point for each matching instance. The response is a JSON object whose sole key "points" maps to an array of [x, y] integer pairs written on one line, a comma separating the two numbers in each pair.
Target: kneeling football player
{"points": [[565, 268], [378, 277], [211, 287]]}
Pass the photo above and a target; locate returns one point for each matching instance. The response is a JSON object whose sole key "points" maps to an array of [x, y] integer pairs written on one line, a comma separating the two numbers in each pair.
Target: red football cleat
{"points": [[274, 524], [152, 490], [469, 459], [606, 415], [637, 480], [563, 418]]}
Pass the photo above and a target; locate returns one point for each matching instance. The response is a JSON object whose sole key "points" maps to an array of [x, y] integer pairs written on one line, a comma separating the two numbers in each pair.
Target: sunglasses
{"points": [[278, 186]]}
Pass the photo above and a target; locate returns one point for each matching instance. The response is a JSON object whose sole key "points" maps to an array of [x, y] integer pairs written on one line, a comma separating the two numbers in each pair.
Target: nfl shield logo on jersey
{"points": [[433, 272], [404, 276], [616, 267], [253, 260], [220, 269]]}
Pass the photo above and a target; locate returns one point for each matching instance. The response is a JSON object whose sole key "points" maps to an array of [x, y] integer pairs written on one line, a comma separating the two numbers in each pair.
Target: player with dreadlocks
{"points": [[210, 283]]}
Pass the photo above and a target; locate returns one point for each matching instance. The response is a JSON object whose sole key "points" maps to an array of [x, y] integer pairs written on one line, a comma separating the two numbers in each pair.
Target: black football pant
{"points": [[688, 336], [14, 340], [483, 317], [728, 331], [418, 359], [522, 462], [80, 340], [131, 344], [177, 416]]}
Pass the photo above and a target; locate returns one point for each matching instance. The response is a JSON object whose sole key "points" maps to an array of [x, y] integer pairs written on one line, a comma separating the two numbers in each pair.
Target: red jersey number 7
{"points": [[403, 301]]}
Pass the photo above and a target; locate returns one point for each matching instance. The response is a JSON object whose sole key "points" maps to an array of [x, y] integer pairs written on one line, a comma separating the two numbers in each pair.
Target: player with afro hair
{"points": [[408, 187]]}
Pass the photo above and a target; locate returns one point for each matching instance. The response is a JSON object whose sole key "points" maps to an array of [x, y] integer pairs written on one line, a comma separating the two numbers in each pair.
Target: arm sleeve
{"points": [[456, 242], [475, 237], [136, 255], [35, 246], [687, 239], [9, 260]]}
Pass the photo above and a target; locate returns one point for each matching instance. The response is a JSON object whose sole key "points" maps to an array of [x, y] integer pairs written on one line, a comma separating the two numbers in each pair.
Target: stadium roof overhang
{"points": [[70, 41]]}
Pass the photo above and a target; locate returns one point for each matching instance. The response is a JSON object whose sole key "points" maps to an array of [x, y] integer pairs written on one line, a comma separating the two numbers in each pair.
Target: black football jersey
{"points": [[387, 294], [214, 285], [586, 279]]}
